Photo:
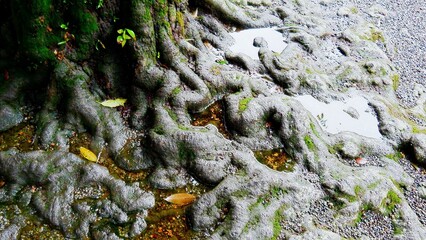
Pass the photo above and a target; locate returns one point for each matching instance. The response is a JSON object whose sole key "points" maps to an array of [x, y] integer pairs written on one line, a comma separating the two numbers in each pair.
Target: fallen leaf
{"points": [[360, 160], [113, 102], [180, 199], [87, 154]]}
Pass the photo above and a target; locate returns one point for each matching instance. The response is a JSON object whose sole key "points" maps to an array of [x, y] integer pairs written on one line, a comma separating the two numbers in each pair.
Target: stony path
{"points": [[404, 26]]}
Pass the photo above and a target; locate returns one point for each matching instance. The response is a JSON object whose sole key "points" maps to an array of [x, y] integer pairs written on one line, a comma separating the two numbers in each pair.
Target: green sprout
{"points": [[99, 43], [64, 26], [124, 35], [100, 4]]}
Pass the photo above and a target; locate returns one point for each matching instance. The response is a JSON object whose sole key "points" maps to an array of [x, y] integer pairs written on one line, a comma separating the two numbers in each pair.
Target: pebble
{"points": [[415, 194]]}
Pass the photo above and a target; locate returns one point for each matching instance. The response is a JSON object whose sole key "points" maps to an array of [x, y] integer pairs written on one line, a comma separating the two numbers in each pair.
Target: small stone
{"points": [[377, 11], [352, 112], [361, 160]]}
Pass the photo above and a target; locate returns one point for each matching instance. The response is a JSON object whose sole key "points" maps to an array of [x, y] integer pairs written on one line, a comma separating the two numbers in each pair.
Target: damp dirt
{"points": [[167, 220], [20, 137]]}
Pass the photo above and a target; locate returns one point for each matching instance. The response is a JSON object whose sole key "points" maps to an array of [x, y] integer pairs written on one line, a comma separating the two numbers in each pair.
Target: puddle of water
{"points": [[212, 115], [334, 117], [276, 159], [244, 41]]}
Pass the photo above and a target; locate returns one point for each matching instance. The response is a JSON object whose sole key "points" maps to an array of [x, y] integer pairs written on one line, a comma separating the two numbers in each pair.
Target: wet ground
{"points": [[214, 114], [275, 159], [165, 221]]}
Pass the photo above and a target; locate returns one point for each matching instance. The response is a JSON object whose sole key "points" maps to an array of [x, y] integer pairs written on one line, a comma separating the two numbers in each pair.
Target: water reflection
{"points": [[244, 41], [352, 115]]}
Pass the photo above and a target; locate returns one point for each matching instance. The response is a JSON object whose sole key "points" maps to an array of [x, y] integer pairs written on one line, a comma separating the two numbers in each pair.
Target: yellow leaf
{"points": [[114, 102], [180, 198], [87, 154]]}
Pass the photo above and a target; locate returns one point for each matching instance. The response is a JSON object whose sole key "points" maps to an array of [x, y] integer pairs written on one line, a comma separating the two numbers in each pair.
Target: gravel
{"points": [[416, 201], [404, 27]]}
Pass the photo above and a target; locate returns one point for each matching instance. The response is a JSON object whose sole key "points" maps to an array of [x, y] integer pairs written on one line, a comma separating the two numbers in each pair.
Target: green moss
{"points": [[185, 153], [395, 81], [359, 190], [252, 223], [172, 114], [181, 22], [374, 35], [377, 36], [159, 130], [417, 129], [397, 229], [86, 28], [390, 202], [243, 104], [395, 156], [161, 9], [242, 193], [222, 62], [364, 208], [309, 143], [309, 71], [32, 20], [335, 148], [354, 10], [373, 185], [277, 225], [344, 74], [332, 150], [176, 91], [314, 130], [276, 192], [184, 128]]}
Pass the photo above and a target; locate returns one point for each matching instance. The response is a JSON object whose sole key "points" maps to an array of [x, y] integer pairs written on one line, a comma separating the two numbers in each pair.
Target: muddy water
{"points": [[352, 115], [276, 159], [214, 115], [244, 41]]}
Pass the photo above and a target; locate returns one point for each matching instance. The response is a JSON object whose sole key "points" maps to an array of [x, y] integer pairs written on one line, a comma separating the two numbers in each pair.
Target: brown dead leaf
{"points": [[360, 160], [180, 199]]}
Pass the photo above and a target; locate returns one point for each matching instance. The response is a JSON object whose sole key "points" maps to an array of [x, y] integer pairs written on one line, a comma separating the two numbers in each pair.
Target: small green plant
{"points": [[390, 202], [222, 62], [124, 35], [309, 143], [64, 26], [100, 4], [67, 36], [243, 104]]}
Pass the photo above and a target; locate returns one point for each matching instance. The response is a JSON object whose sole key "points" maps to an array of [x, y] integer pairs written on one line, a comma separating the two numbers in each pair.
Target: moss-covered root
{"points": [[252, 203], [78, 197], [85, 112]]}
